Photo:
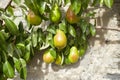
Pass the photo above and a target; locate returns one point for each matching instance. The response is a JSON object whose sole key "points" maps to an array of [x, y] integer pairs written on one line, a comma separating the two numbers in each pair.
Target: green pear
{"points": [[60, 40], [73, 55]]}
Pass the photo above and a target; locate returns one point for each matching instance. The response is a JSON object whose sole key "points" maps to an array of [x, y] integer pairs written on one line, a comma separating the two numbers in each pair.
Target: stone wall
{"points": [[101, 61]]}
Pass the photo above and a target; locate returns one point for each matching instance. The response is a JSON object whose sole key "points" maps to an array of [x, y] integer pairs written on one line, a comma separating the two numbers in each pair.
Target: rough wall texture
{"points": [[4, 3], [101, 61]]}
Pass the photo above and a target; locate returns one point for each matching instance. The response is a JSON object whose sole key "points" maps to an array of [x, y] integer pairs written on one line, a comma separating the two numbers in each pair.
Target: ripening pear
{"points": [[60, 40], [73, 55]]}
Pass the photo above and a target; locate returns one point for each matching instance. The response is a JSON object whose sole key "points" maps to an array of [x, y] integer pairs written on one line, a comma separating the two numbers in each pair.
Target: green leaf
{"points": [[62, 26], [11, 26], [8, 70], [2, 41], [83, 37], [5, 34], [72, 31], [21, 46], [2, 77], [84, 5], [91, 14], [1, 66], [67, 60], [71, 42], [67, 50], [41, 6], [53, 52], [27, 52], [49, 36], [51, 29], [83, 26], [76, 6], [4, 55], [10, 50], [11, 61], [17, 1], [31, 51], [40, 35], [23, 7], [67, 1], [10, 10], [27, 56], [101, 1], [51, 43], [59, 2], [17, 52], [34, 39], [23, 63], [82, 49], [95, 2], [0, 59], [17, 64], [49, 40], [23, 73], [32, 6], [87, 31], [1, 22], [2, 38], [47, 9], [92, 30], [108, 3], [21, 29]]}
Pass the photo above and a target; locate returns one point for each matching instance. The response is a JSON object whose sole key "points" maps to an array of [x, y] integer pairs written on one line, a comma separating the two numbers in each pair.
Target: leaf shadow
{"points": [[114, 76], [104, 25], [36, 68]]}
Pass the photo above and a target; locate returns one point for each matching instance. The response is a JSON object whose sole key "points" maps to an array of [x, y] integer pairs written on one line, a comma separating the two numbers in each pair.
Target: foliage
{"points": [[18, 45]]}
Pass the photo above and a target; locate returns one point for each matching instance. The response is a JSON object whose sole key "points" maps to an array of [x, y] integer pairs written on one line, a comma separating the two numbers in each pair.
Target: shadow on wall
{"points": [[36, 68], [114, 76], [103, 26]]}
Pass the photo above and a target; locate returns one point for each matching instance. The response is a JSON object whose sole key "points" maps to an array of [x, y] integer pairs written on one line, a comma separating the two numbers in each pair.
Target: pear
{"points": [[73, 55], [47, 57], [33, 18], [60, 40], [71, 17], [58, 60]]}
